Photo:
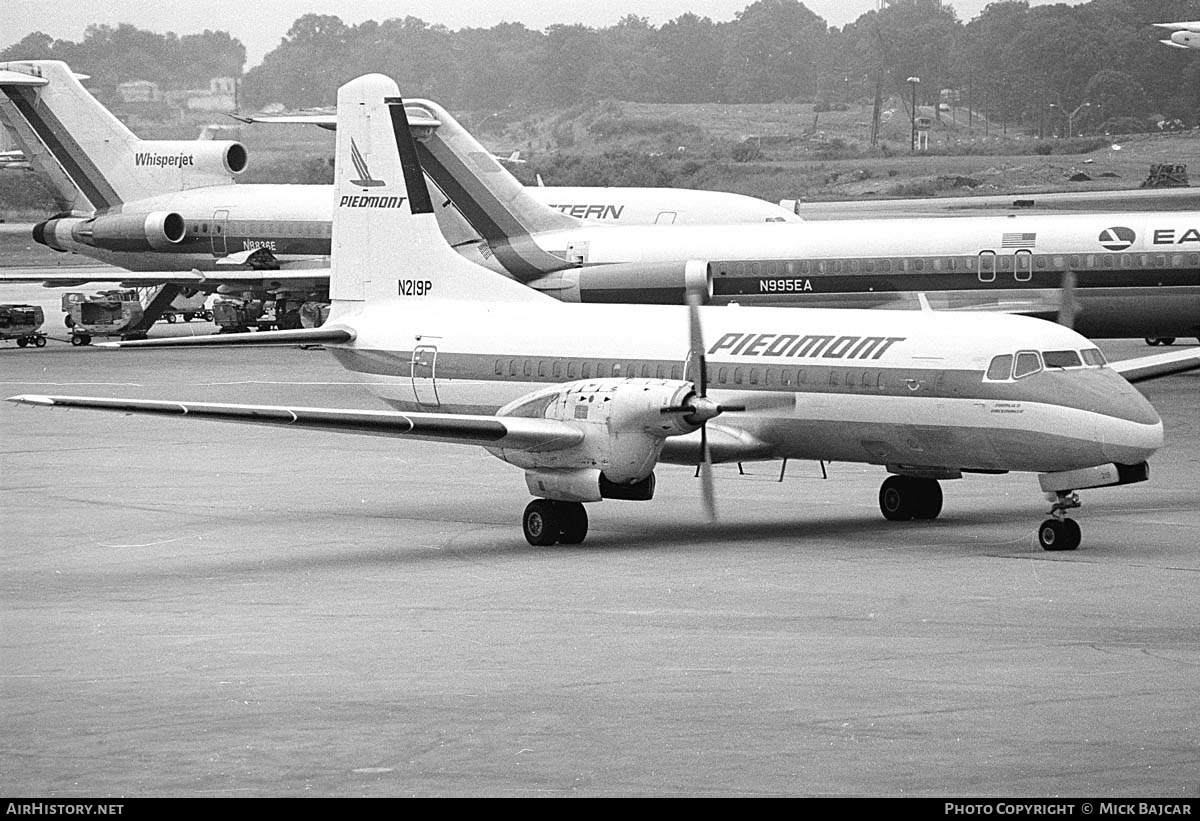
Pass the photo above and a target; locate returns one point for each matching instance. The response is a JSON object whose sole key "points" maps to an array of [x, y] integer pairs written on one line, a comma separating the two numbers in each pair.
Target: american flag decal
{"points": [[1019, 240]]}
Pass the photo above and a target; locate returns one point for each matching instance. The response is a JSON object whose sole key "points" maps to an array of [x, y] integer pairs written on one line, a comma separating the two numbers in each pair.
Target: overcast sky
{"points": [[261, 24]]}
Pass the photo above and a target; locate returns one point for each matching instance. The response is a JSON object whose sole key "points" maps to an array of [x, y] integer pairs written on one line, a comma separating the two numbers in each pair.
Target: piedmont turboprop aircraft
{"points": [[160, 206], [1185, 35], [588, 399]]}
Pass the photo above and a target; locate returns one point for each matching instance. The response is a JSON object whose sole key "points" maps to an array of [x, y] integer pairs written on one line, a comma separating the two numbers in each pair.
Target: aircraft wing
{"points": [[268, 280], [1143, 368], [509, 432], [291, 336]]}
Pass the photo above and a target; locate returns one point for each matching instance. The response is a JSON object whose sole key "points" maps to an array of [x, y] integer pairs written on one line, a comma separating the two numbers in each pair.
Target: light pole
{"points": [[912, 144], [1071, 117]]}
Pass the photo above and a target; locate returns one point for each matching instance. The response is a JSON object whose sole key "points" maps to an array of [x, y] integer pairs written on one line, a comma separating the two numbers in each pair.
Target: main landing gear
{"points": [[1059, 532], [907, 497], [546, 522]]}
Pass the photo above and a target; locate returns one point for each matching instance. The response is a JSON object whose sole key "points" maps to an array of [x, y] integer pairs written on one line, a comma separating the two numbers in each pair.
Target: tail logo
{"points": [[360, 165]]}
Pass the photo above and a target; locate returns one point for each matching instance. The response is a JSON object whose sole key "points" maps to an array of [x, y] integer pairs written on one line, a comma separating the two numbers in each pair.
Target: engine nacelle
{"points": [[663, 283], [624, 428], [191, 158], [1187, 39], [56, 233], [157, 231], [585, 485]]}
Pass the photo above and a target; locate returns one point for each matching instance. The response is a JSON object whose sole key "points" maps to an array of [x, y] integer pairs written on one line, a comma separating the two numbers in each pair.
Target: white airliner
{"points": [[1135, 274], [1184, 35], [588, 399], [154, 205]]}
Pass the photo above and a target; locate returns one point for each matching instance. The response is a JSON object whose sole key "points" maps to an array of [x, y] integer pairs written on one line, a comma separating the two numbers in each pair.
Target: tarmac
{"points": [[207, 609]]}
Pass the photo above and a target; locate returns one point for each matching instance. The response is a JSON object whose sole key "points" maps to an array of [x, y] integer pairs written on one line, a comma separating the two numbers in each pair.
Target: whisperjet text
{"points": [[164, 160], [826, 346]]}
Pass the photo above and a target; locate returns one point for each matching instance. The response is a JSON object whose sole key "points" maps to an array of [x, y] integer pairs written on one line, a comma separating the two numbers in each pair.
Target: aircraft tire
{"points": [[894, 501], [572, 522], [540, 523], [69, 321], [1059, 535], [926, 501]]}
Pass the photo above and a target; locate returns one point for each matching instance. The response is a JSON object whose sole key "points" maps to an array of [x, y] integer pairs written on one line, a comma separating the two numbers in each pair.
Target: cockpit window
{"points": [[1028, 362], [1000, 367], [1092, 356], [1061, 359]]}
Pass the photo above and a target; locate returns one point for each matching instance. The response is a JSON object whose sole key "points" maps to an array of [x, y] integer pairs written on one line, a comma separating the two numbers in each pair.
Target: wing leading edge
{"points": [[1144, 368], [509, 432]]}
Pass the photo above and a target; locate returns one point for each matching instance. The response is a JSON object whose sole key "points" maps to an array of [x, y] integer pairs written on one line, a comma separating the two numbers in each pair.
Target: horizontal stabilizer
{"points": [[516, 433], [326, 120], [16, 78]]}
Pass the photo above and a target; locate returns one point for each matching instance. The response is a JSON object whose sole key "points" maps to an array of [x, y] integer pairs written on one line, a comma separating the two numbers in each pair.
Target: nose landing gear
{"points": [[1059, 532]]}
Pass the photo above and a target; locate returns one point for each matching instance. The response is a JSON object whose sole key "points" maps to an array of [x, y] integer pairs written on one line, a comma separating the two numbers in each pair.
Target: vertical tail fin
{"points": [[386, 240], [93, 161], [492, 200]]}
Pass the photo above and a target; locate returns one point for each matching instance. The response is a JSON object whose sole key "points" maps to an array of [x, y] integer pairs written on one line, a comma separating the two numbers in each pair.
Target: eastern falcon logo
{"points": [[1117, 239]]}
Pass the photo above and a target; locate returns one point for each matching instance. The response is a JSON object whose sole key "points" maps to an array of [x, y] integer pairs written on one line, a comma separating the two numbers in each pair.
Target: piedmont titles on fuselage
{"points": [[827, 346]]}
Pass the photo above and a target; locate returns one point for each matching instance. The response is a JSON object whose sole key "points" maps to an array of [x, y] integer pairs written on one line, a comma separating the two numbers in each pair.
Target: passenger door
{"points": [[424, 365]]}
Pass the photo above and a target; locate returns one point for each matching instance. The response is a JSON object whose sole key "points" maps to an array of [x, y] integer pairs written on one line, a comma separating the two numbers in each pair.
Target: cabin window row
{"points": [[265, 230], [985, 263], [585, 369], [725, 375]]}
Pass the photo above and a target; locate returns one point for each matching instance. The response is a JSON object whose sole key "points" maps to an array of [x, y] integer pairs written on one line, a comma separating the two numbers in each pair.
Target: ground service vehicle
{"points": [[107, 313], [22, 323], [188, 307]]}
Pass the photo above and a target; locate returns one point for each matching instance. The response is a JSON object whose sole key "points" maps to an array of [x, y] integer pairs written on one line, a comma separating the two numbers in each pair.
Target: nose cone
{"points": [[1130, 430], [1134, 443]]}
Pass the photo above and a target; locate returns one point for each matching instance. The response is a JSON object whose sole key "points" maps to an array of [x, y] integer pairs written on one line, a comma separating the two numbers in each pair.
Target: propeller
{"points": [[698, 409], [1068, 306]]}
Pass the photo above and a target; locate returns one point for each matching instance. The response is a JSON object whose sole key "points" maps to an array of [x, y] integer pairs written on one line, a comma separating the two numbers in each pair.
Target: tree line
{"points": [[1038, 67]]}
